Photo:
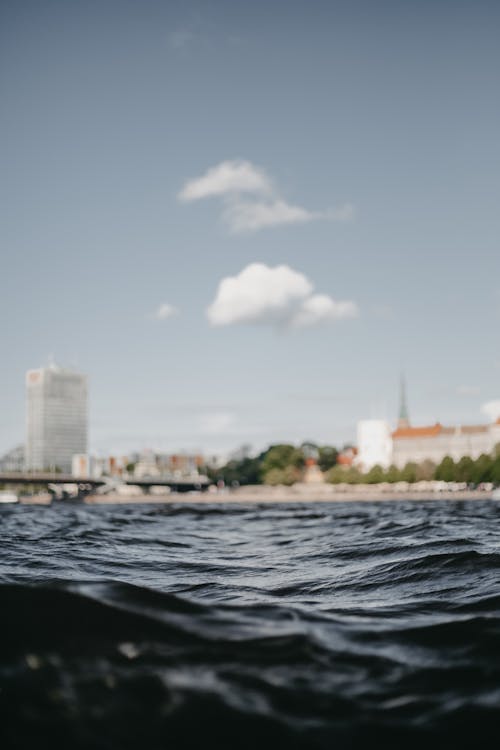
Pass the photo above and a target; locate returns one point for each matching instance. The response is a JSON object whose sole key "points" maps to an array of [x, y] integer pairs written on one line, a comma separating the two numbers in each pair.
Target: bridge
{"points": [[89, 484]]}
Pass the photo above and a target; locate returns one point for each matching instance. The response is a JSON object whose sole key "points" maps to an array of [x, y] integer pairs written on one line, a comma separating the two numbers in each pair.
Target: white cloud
{"points": [[258, 294], [250, 201], [276, 296], [166, 311], [320, 308], [242, 216], [491, 409], [227, 178]]}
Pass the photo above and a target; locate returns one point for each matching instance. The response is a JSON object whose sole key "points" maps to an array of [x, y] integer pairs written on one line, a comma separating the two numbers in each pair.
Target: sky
{"points": [[244, 221]]}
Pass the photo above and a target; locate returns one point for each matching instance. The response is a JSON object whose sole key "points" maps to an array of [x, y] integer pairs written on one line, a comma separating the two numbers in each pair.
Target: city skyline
{"points": [[56, 412], [204, 211]]}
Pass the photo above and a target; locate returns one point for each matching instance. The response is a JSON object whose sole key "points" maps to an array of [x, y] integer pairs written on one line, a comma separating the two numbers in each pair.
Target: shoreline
{"points": [[298, 493], [273, 495]]}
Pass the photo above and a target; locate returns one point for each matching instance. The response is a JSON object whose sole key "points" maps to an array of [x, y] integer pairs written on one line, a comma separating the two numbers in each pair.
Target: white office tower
{"points": [[374, 444], [56, 419]]}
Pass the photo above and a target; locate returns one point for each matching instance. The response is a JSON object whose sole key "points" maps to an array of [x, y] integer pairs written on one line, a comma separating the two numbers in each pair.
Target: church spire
{"points": [[404, 419]]}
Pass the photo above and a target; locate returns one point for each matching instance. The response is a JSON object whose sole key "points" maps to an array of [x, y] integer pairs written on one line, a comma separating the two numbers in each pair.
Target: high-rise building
{"points": [[56, 417]]}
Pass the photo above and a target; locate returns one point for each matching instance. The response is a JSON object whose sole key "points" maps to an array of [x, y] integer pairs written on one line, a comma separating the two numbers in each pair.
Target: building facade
{"points": [[374, 444], [56, 418], [408, 444], [418, 444]]}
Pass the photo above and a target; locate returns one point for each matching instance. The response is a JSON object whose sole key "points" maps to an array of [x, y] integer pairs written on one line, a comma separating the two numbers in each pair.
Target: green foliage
{"points": [[327, 458], [495, 470], [376, 475], [335, 475], [482, 471], [287, 476], [244, 471], [284, 463], [393, 474], [341, 475], [445, 471], [409, 473], [281, 456], [464, 470]]}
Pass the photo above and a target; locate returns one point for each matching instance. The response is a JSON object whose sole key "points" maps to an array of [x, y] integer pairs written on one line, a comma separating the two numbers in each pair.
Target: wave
{"points": [[295, 628], [115, 655]]}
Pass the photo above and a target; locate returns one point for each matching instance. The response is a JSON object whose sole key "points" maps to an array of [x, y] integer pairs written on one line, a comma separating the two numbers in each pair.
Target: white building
{"points": [[56, 418], [408, 444], [374, 444], [418, 444]]}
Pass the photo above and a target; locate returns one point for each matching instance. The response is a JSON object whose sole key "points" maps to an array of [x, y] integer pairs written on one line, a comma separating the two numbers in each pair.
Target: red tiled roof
{"points": [[438, 429], [416, 432]]}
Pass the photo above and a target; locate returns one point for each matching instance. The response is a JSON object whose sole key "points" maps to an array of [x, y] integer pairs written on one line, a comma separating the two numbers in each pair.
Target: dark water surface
{"points": [[297, 625]]}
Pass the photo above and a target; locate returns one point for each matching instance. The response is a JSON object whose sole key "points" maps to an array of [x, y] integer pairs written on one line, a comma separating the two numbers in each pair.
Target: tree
{"points": [[495, 470], [393, 474], [336, 475], [244, 471], [425, 471], [464, 470], [483, 467], [327, 457], [287, 476], [445, 471], [409, 473], [375, 475], [353, 475], [281, 456]]}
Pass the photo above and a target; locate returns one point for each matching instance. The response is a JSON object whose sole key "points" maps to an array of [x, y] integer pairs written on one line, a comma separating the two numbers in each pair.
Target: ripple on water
{"points": [[301, 625]]}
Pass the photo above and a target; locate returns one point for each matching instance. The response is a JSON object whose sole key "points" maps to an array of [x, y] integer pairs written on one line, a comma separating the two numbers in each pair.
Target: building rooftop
{"points": [[438, 429], [413, 432]]}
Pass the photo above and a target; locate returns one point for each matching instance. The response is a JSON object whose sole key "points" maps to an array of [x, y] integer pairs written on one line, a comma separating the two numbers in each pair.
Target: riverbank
{"points": [[295, 493]]}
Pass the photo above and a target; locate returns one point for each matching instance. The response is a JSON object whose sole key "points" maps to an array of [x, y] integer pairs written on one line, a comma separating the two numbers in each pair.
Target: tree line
{"points": [[285, 464], [279, 464]]}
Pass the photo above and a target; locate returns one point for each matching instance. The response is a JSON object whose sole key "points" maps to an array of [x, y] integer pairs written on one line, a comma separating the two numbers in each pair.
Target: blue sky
{"points": [[370, 131]]}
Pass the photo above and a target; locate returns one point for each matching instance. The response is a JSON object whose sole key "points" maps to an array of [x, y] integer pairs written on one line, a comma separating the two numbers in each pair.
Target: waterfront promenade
{"points": [[297, 493]]}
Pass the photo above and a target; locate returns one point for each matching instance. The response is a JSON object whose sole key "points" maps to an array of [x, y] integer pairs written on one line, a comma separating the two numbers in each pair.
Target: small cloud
{"points": [[227, 178], [166, 311], [279, 296], [491, 409], [249, 217], [250, 200], [468, 390], [320, 308]]}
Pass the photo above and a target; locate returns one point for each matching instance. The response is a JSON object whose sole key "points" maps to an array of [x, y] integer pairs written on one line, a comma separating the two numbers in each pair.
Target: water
{"points": [[305, 625]]}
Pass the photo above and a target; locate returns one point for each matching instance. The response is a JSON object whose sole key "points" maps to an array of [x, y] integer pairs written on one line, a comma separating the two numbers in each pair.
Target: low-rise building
{"points": [[418, 444]]}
